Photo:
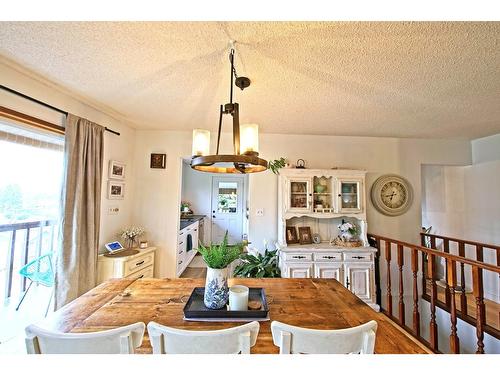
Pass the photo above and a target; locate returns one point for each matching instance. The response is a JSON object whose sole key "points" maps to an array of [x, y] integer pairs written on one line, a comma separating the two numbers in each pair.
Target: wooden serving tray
{"points": [[196, 309]]}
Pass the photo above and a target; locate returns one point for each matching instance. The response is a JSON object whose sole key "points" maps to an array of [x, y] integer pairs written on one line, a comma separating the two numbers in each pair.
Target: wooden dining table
{"points": [[309, 303]]}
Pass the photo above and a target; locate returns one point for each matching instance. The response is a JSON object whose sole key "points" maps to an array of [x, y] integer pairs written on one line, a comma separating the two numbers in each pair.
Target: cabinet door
{"points": [[329, 271], [299, 194], [299, 270], [349, 195], [358, 279]]}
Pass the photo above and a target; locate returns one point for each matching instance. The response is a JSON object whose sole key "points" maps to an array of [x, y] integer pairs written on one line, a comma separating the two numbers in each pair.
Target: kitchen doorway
{"points": [[228, 208]]}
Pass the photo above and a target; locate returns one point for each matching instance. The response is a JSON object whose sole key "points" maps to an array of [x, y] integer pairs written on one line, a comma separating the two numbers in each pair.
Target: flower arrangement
{"points": [[348, 236], [130, 234], [348, 228]]}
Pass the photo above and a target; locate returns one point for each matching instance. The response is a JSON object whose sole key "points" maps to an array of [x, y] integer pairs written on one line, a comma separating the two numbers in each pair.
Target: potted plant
{"points": [[218, 258], [258, 265]]}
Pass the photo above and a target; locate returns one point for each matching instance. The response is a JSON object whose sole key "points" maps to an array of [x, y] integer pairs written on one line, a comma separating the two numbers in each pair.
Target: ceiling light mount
{"points": [[246, 155]]}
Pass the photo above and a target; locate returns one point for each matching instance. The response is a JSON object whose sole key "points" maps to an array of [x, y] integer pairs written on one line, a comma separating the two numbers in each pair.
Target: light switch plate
{"points": [[259, 212], [113, 210]]}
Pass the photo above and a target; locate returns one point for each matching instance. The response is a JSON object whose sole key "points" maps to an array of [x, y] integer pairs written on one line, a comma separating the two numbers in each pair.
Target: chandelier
{"points": [[245, 158]]}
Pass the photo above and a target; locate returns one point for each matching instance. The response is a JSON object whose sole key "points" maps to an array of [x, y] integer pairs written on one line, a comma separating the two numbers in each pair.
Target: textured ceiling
{"points": [[401, 79]]}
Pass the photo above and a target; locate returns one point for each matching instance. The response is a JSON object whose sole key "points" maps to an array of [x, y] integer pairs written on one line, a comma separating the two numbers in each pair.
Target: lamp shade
{"points": [[249, 138], [201, 142]]}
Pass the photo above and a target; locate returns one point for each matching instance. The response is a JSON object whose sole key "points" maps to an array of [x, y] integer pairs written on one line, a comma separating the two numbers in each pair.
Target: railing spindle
{"points": [[10, 265], [477, 290], [25, 257], [433, 328], [389, 293], [40, 241], [452, 282], [401, 306], [416, 314], [463, 297], [447, 295]]}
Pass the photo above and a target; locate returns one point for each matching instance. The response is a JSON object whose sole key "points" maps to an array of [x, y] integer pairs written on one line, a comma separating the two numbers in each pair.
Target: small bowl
{"points": [[320, 188]]}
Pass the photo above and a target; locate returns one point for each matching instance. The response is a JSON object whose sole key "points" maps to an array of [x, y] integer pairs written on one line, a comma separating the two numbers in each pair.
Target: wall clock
{"points": [[392, 195]]}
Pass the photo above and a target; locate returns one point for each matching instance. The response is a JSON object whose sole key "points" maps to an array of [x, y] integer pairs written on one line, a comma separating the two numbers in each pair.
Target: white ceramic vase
{"points": [[216, 289]]}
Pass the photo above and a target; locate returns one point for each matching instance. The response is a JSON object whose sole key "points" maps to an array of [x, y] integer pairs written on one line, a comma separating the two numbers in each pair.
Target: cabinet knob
{"points": [[358, 257], [298, 257], [139, 263], [180, 262]]}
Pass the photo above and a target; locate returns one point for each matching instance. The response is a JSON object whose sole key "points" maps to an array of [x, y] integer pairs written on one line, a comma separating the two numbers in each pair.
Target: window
{"points": [[31, 172], [227, 197]]}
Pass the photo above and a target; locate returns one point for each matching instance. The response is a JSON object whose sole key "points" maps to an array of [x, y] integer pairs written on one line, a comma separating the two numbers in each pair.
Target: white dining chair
{"points": [[291, 339], [122, 340], [166, 340]]}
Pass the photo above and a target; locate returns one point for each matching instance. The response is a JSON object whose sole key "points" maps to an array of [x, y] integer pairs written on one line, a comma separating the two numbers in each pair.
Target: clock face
{"points": [[392, 195]]}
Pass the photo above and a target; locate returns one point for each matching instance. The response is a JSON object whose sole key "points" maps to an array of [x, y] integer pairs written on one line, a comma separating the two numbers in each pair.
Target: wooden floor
{"points": [[492, 308]]}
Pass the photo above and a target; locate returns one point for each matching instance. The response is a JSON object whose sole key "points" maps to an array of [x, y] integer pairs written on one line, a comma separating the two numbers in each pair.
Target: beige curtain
{"points": [[76, 265]]}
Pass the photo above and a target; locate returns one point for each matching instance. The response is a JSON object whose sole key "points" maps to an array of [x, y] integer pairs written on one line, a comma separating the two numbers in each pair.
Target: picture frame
{"points": [[305, 236], [158, 161], [116, 190], [291, 235], [116, 170]]}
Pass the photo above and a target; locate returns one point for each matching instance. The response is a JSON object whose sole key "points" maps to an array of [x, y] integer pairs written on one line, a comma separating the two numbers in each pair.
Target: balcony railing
{"points": [[19, 244], [423, 263]]}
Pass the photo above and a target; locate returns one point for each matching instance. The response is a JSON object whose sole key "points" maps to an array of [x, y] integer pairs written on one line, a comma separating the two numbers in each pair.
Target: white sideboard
{"points": [[133, 266], [354, 268]]}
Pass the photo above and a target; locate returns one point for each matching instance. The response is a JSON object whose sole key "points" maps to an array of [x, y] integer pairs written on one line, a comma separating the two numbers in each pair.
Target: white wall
{"points": [[376, 155], [157, 202], [116, 148]]}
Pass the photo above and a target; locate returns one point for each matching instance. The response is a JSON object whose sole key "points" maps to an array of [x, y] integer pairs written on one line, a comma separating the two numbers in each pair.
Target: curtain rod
{"points": [[45, 104]]}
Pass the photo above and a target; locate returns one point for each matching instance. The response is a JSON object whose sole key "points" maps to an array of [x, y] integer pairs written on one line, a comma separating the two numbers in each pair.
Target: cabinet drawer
{"points": [[358, 257], [146, 272], [136, 264], [298, 257], [327, 257]]}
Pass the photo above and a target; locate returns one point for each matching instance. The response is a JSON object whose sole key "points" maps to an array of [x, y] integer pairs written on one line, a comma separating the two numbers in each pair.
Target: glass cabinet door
{"points": [[349, 194], [299, 195]]}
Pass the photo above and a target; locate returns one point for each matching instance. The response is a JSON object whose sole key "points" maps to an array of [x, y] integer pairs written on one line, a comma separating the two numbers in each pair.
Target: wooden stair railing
{"points": [[429, 257]]}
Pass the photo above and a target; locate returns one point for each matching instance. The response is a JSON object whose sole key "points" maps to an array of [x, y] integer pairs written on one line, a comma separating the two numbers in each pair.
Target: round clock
{"points": [[392, 195]]}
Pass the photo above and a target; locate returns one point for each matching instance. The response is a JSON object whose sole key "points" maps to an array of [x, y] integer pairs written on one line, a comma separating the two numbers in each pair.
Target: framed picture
{"points": [[158, 161], [116, 170], [305, 236], [116, 190], [291, 235]]}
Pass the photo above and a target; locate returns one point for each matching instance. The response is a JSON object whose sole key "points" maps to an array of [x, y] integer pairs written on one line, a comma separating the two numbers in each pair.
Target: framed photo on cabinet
{"points": [[291, 235], [305, 236]]}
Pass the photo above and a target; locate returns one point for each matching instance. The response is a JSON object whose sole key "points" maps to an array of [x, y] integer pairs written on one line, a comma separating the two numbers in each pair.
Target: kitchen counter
{"points": [[185, 222]]}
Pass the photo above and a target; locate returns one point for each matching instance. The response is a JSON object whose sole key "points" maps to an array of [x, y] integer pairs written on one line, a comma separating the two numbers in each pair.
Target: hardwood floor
{"points": [[492, 308], [196, 269]]}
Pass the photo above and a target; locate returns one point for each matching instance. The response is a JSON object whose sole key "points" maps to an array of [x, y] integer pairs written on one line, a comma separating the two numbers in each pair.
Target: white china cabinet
{"points": [[322, 199]]}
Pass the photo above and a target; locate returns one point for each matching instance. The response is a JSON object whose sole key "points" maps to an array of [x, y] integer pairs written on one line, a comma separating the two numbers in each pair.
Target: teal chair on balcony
{"points": [[39, 271]]}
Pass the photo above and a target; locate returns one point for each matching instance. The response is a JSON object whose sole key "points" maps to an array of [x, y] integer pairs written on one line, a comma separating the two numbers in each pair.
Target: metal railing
{"points": [[19, 244]]}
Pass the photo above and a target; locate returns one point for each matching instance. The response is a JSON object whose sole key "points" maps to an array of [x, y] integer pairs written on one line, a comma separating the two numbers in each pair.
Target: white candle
{"points": [[238, 298]]}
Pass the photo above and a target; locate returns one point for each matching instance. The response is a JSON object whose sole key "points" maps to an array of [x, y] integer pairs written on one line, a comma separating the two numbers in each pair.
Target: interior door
{"points": [[227, 209]]}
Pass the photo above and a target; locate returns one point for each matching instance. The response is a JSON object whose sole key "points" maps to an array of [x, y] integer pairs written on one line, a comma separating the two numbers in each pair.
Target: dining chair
{"points": [[122, 340], [291, 339], [167, 340]]}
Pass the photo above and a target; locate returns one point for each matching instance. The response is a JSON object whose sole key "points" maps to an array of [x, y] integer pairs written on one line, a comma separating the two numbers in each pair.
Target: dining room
{"points": [[198, 185]]}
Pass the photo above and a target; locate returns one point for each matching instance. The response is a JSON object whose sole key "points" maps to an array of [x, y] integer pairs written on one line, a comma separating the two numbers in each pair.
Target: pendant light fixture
{"points": [[245, 158]]}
